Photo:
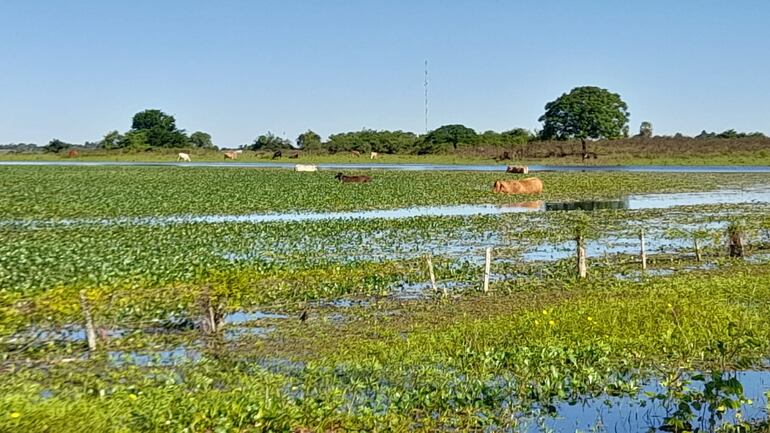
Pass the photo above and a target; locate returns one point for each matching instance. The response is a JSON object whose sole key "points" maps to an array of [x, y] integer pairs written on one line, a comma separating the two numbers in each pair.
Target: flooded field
{"points": [[759, 195], [311, 297]]}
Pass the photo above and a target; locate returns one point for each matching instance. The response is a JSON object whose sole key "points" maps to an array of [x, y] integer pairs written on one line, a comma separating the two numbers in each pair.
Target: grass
{"points": [[656, 151]]}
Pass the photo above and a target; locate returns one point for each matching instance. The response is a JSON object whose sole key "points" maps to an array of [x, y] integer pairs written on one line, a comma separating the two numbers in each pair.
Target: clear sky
{"points": [[77, 69]]}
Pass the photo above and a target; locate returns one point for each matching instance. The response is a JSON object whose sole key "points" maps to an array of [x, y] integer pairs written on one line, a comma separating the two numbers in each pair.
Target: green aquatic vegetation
{"points": [[239, 287], [468, 363], [40, 258], [35, 193]]}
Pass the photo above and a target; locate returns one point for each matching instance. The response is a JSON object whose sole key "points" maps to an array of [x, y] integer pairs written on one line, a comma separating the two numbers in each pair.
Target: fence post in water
{"points": [[581, 256], [487, 266], [642, 252], [212, 312], [433, 275], [90, 329], [735, 239], [697, 250]]}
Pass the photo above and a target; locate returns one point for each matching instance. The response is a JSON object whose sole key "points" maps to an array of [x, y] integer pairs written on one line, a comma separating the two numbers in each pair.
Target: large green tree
{"points": [[56, 146], [271, 142], [112, 140], [368, 140], [201, 140], [159, 129], [585, 113], [309, 140], [645, 130], [447, 138]]}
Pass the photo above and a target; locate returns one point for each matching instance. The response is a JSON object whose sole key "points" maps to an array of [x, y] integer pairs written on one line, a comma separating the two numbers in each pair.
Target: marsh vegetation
{"points": [[332, 325]]}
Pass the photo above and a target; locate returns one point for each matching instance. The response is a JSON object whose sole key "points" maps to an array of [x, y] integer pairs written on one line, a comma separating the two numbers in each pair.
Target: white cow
{"points": [[374, 155], [305, 167], [183, 157]]}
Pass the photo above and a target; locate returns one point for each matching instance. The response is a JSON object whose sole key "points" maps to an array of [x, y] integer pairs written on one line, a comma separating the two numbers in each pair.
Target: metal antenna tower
{"points": [[426, 96]]}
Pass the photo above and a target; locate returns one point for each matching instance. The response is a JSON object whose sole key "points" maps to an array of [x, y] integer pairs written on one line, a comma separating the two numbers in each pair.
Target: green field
{"points": [[379, 349]]}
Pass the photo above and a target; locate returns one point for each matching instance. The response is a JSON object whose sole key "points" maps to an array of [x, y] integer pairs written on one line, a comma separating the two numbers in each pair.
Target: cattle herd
{"points": [[530, 185]]}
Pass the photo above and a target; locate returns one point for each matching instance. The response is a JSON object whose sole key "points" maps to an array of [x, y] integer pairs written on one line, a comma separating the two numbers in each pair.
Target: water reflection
{"points": [[632, 202], [647, 412], [588, 205], [526, 205]]}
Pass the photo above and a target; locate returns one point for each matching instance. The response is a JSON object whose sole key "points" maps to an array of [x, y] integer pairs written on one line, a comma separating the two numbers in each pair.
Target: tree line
{"points": [[584, 113]]}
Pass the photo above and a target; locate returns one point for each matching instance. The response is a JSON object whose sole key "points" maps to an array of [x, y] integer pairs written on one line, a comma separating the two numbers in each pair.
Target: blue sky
{"points": [[77, 69]]}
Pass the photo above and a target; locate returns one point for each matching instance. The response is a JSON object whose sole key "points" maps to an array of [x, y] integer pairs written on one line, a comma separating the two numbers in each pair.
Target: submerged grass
{"points": [[473, 363]]}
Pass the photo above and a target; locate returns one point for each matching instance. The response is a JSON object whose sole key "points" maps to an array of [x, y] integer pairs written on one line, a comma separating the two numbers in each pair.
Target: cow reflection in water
{"points": [[527, 205]]}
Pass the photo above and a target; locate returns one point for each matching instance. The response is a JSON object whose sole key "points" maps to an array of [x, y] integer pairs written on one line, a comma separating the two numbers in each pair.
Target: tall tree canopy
{"points": [[447, 138], [112, 140], [586, 112], [368, 140], [309, 140], [201, 140], [270, 141], [159, 129], [56, 145], [645, 129]]}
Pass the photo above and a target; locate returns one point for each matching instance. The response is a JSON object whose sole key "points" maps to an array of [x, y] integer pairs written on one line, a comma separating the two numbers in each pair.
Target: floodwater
{"points": [[631, 202], [643, 414], [418, 167]]}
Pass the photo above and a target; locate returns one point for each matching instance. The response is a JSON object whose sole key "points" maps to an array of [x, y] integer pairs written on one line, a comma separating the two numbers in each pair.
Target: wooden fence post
{"points": [[642, 252], [487, 266], [697, 250], [90, 329], [581, 256], [735, 237], [212, 312], [433, 276]]}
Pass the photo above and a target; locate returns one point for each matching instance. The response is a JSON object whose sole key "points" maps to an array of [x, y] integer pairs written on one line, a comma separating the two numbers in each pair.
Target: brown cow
{"points": [[355, 153], [294, 155], [277, 154], [72, 153], [352, 179], [530, 185], [523, 169], [231, 155]]}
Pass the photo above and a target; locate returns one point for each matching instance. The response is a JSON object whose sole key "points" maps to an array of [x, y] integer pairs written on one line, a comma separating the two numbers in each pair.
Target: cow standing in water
{"points": [[530, 185], [352, 179], [523, 169], [183, 157], [305, 167]]}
